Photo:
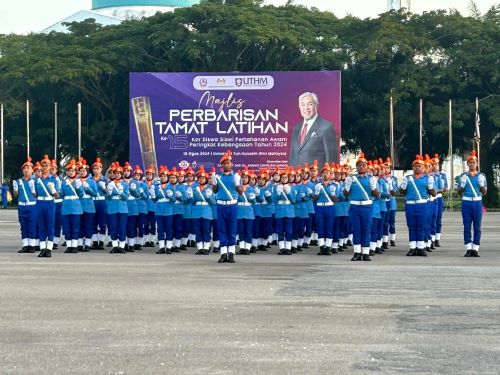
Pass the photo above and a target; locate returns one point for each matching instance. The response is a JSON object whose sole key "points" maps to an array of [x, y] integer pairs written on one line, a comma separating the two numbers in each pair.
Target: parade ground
{"points": [[142, 313]]}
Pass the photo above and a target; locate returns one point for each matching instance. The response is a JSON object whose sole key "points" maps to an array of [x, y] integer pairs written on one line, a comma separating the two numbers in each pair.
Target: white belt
{"points": [[45, 198], [387, 199], [432, 199], [130, 198], [162, 200], [439, 195], [70, 198], [418, 201], [99, 198], [261, 203], [361, 203], [283, 202], [226, 203], [246, 204], [472, 198], [201, 203], [324, 204], [116, 197], [26, 203], [58, 200]]}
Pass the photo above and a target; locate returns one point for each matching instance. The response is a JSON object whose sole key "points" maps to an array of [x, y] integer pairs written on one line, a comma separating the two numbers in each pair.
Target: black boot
{"points": [[378, 250], [305, 246], [100, 245], [25, 249], [64, 244], [109, 244], [253, 250], [68, 250], [474, 253], [230, 258], [321, 250], [372, 252], [45, 253], [31, 249], [121, 250], [37, 248], [206, 252], [288, 252], [467, 254], [349, 243], [86, 249], [366, 258], [335, 250], [411, 253], [421, 252], [282, 252], [393, 243], [161, 251], [385, 245], [328, 251], [175, 249], [137, 247], [223, 258], [215, 249], [432, 245], [437, 244], [183, 247], [356, 257], [55, 247], [199, 252], [293, 250], [428, 249], [95, 245], [80, 248], [113, 250]]}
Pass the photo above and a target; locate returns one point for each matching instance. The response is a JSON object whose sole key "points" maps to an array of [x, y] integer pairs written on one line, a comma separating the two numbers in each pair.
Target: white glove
{"points": [[404, 184], [251, 196], [257, 190], [389, 183], [463, 181], [133, 186], [14, 185], [237, 179], [141, 190], [170, 193], [31, 184], [78, 183], [373, 183], [213, 179], [178, 195], [102, 184], [332, 189], [302, 195], [279, 189], [110, 187], [309, 191], [482, 180], [119, 187], [189, 193], [287, 189], [152, 192], [208, 193], [51, 187], [348, 183], [268, 193], [85, 184], [317, 189]]}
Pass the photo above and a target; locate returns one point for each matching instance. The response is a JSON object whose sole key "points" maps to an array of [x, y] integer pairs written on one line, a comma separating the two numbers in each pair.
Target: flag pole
{"points": [[421, 127], [391, 135], [28, 127], [450, 153], [79, 130], [1, 125], [55, 132]]}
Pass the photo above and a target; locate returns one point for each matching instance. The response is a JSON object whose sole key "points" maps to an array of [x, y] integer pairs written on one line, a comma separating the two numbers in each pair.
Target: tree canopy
{"points": [[437, 56]]}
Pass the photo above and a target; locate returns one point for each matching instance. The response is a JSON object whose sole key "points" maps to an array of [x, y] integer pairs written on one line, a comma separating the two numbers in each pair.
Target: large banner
{"points": [[267, 119]]}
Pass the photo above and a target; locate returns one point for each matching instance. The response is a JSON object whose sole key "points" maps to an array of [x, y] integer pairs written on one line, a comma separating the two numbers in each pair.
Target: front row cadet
{"points": [[245, 216], [284, 213], [117, 196], [472, 187], [325, 197], [23, 191], [417, 188], [202, 198], [71, 211], [162, 193]]}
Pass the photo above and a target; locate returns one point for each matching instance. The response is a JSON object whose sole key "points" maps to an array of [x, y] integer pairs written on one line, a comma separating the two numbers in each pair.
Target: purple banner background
{"points": [[175, 91]]}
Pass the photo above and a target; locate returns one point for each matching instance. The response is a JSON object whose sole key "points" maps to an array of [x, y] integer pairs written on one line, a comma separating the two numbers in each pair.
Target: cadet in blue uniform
{"points": [[284, 213], [142, 206], [117, 195], [472, 187], [87, 202], [24, 189], [149, 226], [45, 190], [341, 212], [389, 233], [178, 207], [133, 210], [189, 237], [71, 210], [265, 204], [379, 211], [163, 195], [417, 188], [325, 195], [202, 198], [245, 214], [58, 202], [100, 218], [361, 188], [227, 185], [441, 187]]}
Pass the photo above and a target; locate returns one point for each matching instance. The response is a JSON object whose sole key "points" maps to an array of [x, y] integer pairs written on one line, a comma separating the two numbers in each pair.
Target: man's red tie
{"points": [[303, 133]]}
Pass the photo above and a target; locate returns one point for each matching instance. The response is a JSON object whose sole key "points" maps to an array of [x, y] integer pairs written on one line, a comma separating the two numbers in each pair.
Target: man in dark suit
{"points": [[314, 138]]}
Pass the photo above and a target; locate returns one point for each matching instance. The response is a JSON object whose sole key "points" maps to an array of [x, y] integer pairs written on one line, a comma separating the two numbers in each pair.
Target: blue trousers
{"points": [[186, 227], [284, 228], [227, 221], [432, 215], [215, 230], [416, 220], [117, 226], [439, 217], [165, 227], [57, 222], [309, 225], [383, 215], [245, 229], [46, 215], [177, 226], [71, 226], [392, 221], [339, 228], [100, 217], [201, 228], [472, 214], [27, 221], [132, 221], [361, 223], [149, 227], [86, 225], [325, 217], [141, 224]]}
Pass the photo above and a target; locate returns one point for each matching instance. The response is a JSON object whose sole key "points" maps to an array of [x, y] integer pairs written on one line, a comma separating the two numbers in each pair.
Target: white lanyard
{"points": [[471, 186], [224, 187], [44, 188], [24, 191], [415, 186], [71, 186], [324, 191], [201, 193], [361, 186]]}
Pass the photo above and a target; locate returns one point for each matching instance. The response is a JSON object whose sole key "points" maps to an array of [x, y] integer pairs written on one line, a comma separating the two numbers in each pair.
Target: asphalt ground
{"points": [[142, 313]]}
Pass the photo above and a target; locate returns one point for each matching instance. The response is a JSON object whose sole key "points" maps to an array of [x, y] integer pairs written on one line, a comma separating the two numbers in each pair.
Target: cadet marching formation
{"points": [[295, 208]]}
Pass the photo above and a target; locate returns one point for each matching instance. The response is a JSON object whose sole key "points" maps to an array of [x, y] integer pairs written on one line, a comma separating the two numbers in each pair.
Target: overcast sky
{"points": [[24, 16]]}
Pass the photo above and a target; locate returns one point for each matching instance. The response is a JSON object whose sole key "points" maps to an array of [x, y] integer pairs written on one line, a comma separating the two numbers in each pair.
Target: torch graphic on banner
{"points": [[144, 125]]}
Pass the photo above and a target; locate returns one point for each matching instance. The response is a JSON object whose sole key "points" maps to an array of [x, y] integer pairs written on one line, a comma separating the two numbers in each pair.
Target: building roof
{"points": [[99, 4], [80, 16]]}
